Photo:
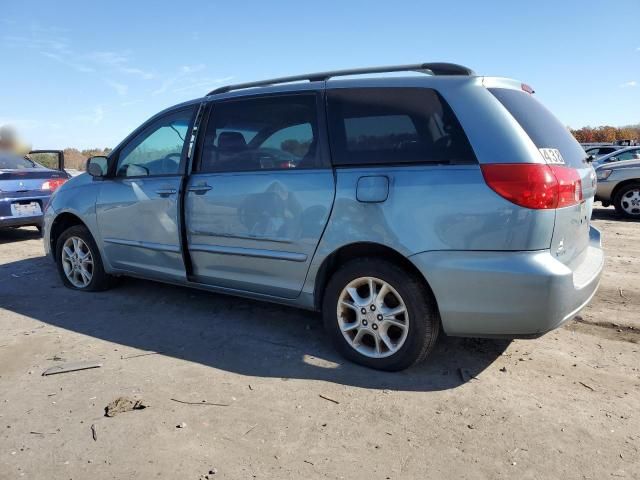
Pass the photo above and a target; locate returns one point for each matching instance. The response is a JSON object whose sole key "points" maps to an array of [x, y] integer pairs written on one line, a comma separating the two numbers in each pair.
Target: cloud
{"points": [[630, 84], [98, 114], [119, 62], [130, 102], [108, 58], [203, 84], [120, 88], [186, 79], [192, 68], [138, 72], [95, 117], [61, 59], [60, 45]]}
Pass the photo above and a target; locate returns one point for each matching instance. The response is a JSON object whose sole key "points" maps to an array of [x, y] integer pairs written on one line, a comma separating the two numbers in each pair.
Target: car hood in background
{"points": [[618, 165]]}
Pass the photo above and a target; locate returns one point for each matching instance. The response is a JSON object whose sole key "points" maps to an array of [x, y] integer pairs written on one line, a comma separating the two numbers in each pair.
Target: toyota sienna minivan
{"points": [[398, 206]]}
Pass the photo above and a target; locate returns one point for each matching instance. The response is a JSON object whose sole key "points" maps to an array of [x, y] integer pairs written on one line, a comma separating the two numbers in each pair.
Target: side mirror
{"points": [[98, 167]]}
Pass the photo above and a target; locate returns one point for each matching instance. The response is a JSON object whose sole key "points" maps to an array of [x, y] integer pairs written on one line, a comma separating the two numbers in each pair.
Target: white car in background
{"points": [[628, 153]]}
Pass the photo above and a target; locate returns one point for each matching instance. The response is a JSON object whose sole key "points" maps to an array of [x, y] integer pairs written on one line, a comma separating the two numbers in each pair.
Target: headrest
{"points": [[231, 141]]}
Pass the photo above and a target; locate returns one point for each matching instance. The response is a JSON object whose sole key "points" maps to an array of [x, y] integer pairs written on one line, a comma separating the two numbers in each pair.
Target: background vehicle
{"points": [[620, 155], [599, 151], [25, 187], [619, 185], [354, 217]]}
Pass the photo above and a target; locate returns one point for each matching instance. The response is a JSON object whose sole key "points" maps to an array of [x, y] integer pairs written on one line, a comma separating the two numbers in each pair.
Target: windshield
{"points": [[11, 161]]}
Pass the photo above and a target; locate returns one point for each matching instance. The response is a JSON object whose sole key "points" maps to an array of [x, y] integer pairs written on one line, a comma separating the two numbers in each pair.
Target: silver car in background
{"points": [[621, 155], [397, 206], [619, 185]]}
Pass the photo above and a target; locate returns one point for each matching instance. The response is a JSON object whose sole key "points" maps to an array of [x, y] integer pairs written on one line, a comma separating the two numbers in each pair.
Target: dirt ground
{"points": [[564, 406]]}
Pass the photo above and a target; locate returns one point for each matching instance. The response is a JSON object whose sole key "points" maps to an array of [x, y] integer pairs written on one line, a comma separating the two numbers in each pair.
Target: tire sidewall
{"points": [[98, 270], [420, 310]]}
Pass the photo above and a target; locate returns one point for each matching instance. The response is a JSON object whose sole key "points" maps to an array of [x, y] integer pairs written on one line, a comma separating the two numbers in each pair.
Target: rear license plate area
{"points": [[25, 209]]}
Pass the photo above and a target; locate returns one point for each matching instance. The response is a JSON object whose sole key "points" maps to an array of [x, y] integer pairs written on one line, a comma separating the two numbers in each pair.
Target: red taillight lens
{"points": [[534, 185], [53, 183], [569, 185]]}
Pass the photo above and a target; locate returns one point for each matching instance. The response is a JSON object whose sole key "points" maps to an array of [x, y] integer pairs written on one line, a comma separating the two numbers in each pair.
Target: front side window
{"points": [[264, 133], [629, 155], [157, 150], [394, 126]]}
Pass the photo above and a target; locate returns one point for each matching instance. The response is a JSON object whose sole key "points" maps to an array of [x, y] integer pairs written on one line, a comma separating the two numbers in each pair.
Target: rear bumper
{"points": [[8, 220], [510, 294]]}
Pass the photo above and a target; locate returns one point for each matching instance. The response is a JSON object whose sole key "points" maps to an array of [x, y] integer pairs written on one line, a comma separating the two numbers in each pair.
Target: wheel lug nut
{"points": [[374, 326], [364, 322], [373, 308], [379, 317], [363, 310]]}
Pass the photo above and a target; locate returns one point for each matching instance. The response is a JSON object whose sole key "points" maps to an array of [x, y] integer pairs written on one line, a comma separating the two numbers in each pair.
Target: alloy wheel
{"points": [[77, 262], [373, 317]]}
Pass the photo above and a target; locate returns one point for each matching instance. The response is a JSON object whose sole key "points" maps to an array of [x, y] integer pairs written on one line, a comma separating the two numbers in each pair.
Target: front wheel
{"points": [[79, 262], [627, 201], [380, 315]]}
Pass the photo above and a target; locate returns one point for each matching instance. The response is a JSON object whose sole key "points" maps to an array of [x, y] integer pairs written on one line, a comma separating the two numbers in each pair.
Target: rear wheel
{"points": [[79, 262], [627, 201], [379, 315]]}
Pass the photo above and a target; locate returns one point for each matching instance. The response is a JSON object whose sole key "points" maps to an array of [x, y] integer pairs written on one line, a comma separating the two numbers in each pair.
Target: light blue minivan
{"points": [[396, 205]]}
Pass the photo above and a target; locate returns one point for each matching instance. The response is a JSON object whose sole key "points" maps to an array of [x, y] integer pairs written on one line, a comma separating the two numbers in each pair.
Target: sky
{"points": [[84, 74]]}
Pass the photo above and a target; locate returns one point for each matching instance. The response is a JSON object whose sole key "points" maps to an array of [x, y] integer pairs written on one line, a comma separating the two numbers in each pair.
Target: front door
{"points": [[138, 206], [260, 195]]}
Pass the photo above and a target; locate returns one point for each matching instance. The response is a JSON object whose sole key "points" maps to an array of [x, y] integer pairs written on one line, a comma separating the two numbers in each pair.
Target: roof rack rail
{"points": [[437, 68]]}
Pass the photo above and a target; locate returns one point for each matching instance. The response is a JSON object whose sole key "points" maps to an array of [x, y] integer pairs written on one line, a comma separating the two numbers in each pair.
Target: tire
{"points": [[99, 279], [623, 199], [420, 319]]}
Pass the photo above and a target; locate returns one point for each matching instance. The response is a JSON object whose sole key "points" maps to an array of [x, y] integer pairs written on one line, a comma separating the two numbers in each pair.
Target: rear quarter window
{"points": [[373, 126], [542, 126]]}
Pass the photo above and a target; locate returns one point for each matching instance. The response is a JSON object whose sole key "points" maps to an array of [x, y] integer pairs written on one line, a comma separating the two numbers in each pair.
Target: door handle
{"points": [[200, 189], [165, 192]]}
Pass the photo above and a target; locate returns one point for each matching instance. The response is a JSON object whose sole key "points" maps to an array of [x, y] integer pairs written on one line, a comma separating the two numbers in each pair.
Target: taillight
{"points": [[534, 185], [53, 183], [569, 185]]}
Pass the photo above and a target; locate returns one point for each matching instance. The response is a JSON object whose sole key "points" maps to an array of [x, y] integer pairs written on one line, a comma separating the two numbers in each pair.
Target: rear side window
{"points": [[264, 133], [544, 129], [372, 126], [10, 161]]}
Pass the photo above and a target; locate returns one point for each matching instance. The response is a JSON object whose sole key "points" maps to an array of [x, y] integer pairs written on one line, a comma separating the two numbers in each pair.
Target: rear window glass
{"points": [[9, 161], [544, 129], [394, 125]]}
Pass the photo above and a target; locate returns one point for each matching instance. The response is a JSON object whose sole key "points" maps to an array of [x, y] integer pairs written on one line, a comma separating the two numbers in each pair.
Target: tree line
{"points": [[77, 159], [606, 134]]}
